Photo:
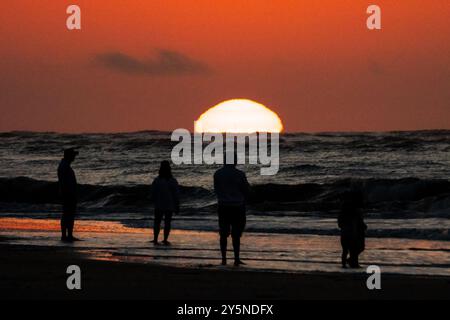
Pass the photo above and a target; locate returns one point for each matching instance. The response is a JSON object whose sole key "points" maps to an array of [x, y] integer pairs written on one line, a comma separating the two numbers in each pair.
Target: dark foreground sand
{"points": [[40, 273]]}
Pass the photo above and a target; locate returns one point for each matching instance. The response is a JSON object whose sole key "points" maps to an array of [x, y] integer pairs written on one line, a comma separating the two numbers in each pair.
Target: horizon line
{"points": [[192, 131]]}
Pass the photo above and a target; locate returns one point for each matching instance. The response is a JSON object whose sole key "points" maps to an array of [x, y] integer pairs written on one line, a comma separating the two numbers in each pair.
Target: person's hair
{"points": [[164, 170], [352, 199]]}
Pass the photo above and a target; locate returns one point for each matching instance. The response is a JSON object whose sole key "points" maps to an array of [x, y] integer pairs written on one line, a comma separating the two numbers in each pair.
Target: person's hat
{"points": [[70, 152]]}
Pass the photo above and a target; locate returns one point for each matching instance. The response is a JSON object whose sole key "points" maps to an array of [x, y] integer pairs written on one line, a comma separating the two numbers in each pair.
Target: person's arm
{"points": [[245, 186], [364, 226], [66, 183], [73, 184], [342, 219], [153, 191], [176, 195], [60, 182], [361, 221], [215, 183]]}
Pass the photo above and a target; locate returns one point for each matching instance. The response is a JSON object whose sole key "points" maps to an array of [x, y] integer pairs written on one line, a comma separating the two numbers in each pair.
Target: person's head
{"points": [[164, 170], [230, 159], [70, 154], [352, 198]]}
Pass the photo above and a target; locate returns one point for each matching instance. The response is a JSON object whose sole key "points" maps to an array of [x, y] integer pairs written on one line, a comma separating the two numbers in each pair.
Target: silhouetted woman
{"points": [[166, 200], [352, 227]]}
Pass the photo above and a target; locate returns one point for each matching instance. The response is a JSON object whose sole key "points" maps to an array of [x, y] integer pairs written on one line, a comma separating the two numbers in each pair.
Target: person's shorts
{"points": [[166, 214], [231, 220], [69, 207]]}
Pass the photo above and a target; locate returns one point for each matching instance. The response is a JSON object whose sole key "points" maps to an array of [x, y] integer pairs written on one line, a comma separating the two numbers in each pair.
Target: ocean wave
{"points": [[441, 234], [304, 168], [374, 190], [410, 195], [368, 142], [25, 190]]}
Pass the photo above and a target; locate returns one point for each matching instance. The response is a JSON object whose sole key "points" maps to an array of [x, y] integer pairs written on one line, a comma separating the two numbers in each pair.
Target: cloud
{"points": [[165, 62]]}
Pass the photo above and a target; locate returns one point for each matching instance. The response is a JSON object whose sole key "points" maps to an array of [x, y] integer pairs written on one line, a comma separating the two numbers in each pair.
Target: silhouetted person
{"points": [[68, 192], [352, 227], [166, 201], [231, 187]]}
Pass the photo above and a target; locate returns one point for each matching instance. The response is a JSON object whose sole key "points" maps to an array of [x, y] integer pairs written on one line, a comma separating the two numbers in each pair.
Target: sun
{"points": [[238, 116]]}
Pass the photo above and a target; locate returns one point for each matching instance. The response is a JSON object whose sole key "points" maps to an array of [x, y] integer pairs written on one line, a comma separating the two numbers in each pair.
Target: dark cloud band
{"points": [[165, 62]]}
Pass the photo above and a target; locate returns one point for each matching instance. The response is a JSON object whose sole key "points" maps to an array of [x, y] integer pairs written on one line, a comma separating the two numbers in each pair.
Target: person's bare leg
{"points": [[344, 257], [70, 224], [237, 250], [157, 225], [167, 227], [353, 260], [63, 228], [70, 231], [156, 229], [223, 248], [356, 260]]}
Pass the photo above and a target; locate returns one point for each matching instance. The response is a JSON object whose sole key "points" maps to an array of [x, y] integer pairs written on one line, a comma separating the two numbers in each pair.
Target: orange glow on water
{"points": [[54, 225], [83, 226]]}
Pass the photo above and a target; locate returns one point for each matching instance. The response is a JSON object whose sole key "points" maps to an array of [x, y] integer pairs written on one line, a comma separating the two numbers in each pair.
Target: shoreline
{"points": [[30, 272], [293, 254], [140, 220]]}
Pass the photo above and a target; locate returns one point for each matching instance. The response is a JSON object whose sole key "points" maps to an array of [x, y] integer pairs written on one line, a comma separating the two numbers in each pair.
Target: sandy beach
{"points": [[119, 263], [39, 273]]}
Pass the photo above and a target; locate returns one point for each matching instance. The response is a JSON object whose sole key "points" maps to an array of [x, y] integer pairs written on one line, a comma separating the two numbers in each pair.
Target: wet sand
{"points": [[113, 241], [29, 272]]}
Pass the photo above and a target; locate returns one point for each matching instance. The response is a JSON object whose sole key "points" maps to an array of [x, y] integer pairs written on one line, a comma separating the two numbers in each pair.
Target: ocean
{"points": [[403, 176]]}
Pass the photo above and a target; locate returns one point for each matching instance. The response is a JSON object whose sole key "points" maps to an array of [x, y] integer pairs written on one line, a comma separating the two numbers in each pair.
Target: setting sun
{"points": [[239, 116]]}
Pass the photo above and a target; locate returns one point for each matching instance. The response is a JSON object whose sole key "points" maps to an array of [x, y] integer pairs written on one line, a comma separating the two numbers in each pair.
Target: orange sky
{"points": [[312, 62]]}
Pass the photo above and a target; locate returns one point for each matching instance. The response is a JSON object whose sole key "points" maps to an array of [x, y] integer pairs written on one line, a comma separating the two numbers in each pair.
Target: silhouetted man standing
{"points": [[68, 191], [231, 187]]}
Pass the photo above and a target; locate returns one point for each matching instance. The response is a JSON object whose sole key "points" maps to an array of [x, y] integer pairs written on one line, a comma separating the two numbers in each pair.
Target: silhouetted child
{"points": [[352, 227], [166, 201]]}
